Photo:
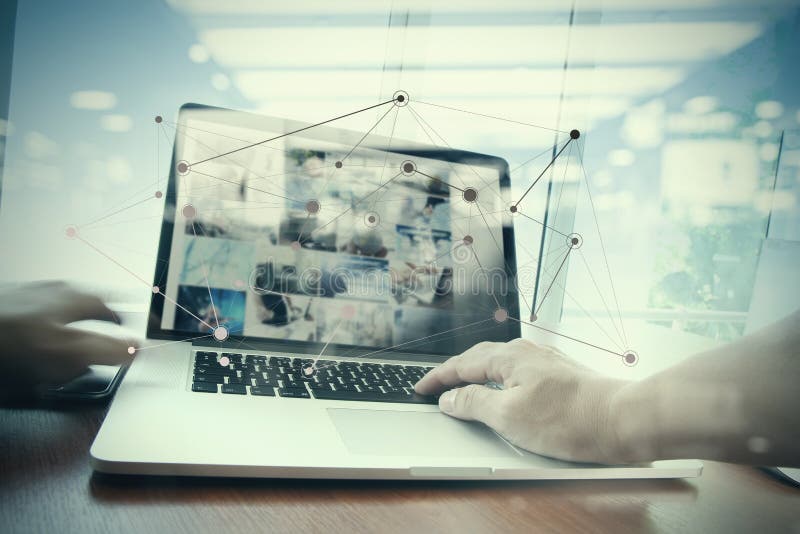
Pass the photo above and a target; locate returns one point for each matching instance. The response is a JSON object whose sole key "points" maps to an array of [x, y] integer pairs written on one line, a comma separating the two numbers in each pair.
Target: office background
{"points": [[689, 110]]}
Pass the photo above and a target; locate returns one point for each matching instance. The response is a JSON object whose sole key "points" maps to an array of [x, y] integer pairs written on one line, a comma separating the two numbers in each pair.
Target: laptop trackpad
{"points": [[391, 433]]}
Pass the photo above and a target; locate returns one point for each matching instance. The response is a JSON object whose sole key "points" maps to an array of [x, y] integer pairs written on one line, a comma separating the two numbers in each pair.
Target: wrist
{"points": [[632, 422]]}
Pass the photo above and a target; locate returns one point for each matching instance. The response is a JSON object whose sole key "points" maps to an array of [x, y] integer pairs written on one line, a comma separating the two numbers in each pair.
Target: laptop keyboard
{"points": [[268, 376]]}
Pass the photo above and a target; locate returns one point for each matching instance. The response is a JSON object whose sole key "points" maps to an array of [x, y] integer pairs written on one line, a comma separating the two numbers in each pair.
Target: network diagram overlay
{"points": [[216, 318]]}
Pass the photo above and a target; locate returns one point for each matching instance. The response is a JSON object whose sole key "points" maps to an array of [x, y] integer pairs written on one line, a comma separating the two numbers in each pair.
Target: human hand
{"points": [[549, 404], [37, 346]]}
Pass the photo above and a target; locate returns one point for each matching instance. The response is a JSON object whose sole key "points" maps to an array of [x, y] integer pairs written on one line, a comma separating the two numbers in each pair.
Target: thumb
{"points": [[473, 403]]}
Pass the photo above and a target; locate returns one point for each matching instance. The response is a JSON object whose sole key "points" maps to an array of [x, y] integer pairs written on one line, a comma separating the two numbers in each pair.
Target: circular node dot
{"points": [[401, 98], [513, 209], [372, 219], [238, 284], [574, 240], [575, 134], [312, 206], [155, 289], [71, 232], [408, 167], [630, 358], [296, 245], [220, 333], [158, 119], [224, 361], [534, 317], [189, 211], [468, 240], [159, 194], [183, 167], [501, 315], [470, 194], [338, 164], [348, 312], [308, 370], [131, 350]]}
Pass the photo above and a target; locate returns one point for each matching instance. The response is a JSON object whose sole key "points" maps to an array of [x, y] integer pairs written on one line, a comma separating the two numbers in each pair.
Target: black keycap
{"points": [[203, 371], [212, 377], [204, 387], [374, 381], [269, 376], [296, 393], [302, 377], [262, 391], [328, 379], [208, 379], [233, 356], [374, 397], [237, 380], [273, 383], [236, 389]]}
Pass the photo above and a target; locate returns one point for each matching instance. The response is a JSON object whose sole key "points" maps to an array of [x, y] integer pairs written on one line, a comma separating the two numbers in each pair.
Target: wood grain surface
{"points": [[47, 485]]}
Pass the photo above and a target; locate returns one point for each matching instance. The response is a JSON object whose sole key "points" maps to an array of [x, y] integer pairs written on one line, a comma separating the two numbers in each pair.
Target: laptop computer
{"points": [[307, 277]]}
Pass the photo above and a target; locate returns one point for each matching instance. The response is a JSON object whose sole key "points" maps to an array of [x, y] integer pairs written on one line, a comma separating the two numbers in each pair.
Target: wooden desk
{"points": [[47, 485]]}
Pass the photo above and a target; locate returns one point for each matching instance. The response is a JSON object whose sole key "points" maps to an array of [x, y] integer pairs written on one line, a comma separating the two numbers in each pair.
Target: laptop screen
{"points": [[327, 238]]}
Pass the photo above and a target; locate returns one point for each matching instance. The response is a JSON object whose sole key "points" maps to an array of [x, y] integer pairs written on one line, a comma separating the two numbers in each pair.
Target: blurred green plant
{"points": [[714, 270]]}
